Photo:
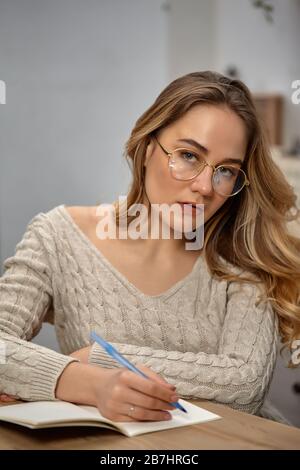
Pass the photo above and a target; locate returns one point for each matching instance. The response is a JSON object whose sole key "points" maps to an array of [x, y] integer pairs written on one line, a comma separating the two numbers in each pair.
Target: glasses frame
{"points": [[215, 168]]}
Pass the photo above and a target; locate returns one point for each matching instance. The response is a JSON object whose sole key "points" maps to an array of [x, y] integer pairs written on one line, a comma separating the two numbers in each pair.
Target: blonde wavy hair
{"points": [[250, 230]]}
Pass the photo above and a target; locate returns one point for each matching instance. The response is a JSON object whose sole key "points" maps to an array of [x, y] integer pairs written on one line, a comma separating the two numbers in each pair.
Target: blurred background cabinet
{"points": [[270, 110]]}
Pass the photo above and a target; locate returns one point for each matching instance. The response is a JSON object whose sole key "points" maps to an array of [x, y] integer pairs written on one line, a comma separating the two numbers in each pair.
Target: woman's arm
{"points": [[81, 355], [27, 371], [238, 375]]}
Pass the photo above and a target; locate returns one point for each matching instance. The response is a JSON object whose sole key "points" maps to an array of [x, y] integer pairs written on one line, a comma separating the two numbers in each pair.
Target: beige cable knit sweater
{"points": [[205, 335]]}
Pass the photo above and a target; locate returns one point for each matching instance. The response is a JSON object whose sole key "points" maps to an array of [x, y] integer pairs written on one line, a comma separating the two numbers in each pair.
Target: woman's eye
{"points": [[189, 156], [226, 171], [223, 170]]}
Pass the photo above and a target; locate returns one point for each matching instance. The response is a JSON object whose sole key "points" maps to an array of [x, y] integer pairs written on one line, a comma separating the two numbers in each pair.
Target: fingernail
{"points": [[174, 398], [167, 416]]}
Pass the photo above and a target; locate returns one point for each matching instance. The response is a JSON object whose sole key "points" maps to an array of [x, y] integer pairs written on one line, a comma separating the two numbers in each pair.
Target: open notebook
{"points": [[49, 414]]}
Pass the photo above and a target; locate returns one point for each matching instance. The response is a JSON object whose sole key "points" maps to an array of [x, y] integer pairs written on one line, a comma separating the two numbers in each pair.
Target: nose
{"points": [[203, 182]]}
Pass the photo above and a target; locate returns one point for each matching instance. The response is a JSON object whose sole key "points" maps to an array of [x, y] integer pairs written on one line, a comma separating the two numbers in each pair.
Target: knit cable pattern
{"points": [[204, 335]]}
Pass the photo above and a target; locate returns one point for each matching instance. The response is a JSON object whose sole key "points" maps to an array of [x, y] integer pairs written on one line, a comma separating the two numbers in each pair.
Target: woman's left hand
{"points": [[82, 355], [4, 398]]}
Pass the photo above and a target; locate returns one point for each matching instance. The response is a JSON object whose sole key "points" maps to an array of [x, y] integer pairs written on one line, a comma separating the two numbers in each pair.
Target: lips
{"points": [[194, 204], [190, 206]]}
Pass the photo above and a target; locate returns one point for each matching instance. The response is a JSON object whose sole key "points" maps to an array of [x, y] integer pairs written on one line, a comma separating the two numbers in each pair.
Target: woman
{"points": [[205, 322]]}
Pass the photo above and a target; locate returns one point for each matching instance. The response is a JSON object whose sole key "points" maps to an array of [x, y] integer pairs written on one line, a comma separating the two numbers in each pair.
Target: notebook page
{"points": [[194, 415], [48, 412]]}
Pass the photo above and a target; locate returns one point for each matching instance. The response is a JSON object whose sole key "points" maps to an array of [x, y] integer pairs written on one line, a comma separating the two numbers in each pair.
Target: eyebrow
{"points": [[203, 149]]}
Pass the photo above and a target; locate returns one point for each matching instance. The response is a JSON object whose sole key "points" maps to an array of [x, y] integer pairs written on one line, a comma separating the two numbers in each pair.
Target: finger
{"points": [[145, 401], [154, 376], [126, 412], [148, 386], [142, 414], [120, 411]]}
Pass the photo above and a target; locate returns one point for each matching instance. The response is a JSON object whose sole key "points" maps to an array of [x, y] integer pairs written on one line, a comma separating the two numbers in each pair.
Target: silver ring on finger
{"points": [[131, 411]]}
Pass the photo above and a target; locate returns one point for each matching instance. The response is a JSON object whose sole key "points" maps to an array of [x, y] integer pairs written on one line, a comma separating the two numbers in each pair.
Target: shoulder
{"points": [[50, 223], [83, 216], [80, 214]]}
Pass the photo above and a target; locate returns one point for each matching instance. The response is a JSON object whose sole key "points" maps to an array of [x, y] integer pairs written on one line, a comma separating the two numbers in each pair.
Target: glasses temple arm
{"points": [[163, 149]]}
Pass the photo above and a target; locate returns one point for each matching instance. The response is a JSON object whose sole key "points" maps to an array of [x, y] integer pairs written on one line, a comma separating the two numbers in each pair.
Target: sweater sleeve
{"points": [[239, 373], [27, 370]]}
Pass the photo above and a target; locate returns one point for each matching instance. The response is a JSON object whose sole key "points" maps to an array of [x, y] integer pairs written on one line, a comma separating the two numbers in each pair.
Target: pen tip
{"points": [[182, 408]]}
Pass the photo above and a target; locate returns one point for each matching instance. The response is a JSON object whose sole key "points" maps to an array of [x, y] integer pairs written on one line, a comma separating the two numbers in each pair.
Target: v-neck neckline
{"points": [[123, 279]]}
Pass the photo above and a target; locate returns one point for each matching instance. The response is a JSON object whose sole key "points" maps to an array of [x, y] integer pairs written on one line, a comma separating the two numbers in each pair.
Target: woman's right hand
{"points": [[119, 394], [126, 396]]}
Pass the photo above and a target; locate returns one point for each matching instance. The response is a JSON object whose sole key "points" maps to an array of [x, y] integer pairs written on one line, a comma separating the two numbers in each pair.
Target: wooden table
{"points": [[235, 431]]}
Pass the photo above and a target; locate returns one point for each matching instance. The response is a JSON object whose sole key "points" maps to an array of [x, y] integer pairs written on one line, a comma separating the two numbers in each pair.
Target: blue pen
{"points": [[124, 362]]}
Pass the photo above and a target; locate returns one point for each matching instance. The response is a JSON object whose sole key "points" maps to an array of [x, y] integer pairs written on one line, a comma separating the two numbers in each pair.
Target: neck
{"points": [[158, 240]]}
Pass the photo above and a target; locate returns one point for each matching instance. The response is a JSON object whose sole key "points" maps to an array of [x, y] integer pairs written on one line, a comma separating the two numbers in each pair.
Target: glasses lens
{"points": [[228, 180], [185, 164]]}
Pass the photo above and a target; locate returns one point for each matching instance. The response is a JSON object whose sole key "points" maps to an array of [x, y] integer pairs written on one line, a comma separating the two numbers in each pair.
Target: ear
{"points": [[149, 151]]}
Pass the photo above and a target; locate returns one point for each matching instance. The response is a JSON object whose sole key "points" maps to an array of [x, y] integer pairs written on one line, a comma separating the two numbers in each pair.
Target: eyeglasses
{"points": [[185, 165]]}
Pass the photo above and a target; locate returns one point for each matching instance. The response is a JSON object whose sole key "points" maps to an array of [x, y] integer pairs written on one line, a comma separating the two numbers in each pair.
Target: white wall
{"points": [[212, 34], [78, 74], [265, 53], [191, 39]]}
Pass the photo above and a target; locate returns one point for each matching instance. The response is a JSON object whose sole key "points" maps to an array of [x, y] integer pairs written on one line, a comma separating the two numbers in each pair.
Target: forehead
{"points": [[211, 125], [204, 115]]}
